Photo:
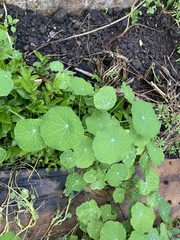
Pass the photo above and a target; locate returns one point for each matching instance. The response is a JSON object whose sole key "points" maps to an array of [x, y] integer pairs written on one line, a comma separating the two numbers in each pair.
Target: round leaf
{"points": [[142, 218], [112, 230], [84, 153], [68, 159], [94, 229], [56, 66], [144, 119], [88, 212], [156, 153], [116, 174], [2, 155], [118, 195], [75, 182], [27, 135], [61, 128], [80, 86], [97, 121], [90, 176], [105, 98], [6, 84], [128, 92], [111, 144]]}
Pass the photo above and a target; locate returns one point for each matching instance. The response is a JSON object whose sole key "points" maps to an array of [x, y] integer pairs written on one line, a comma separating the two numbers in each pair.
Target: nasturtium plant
{"points": [[112, 230], [142, 218], [154, 234], [80, 87], [128, 92], [94, 228], [155, 152], [105, 98], [75, 182], [62, 80], [138, 236], [2, 154], [111, 144], [144, 119], [68, 159], [98, 120], [150, 184], [153, 199], [6, 83], [56, 66], [90, 176], [9, 235], [83, 153], [164, 210], [27, 135], [117, 173], [118, 195], [108, 212], [88, 212], [61, 128]]}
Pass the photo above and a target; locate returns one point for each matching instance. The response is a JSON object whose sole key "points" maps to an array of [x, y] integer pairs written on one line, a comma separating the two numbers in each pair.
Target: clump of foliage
{"points": [[51, 118]]}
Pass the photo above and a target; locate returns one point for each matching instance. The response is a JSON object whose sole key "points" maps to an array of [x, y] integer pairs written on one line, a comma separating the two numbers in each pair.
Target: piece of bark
{"points": [[49, 186]]}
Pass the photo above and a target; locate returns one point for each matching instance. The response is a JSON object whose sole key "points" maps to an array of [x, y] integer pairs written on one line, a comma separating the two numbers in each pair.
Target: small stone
{"points": [[42, 29], [59, 15], [136, 63]]}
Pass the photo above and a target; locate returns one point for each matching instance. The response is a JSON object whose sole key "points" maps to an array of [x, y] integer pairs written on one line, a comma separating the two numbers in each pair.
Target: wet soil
{"points": [[146, 53]]}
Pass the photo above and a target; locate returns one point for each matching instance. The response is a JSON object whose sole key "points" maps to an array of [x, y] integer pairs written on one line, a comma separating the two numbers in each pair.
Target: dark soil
{"points": [[153, 40]]}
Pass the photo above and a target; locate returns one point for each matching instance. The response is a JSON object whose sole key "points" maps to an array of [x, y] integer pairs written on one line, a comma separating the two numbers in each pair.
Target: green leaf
{"points": [[56, 66], [111, 144], [150, 184], [2, 155], [80, 87], [99, 184], [61, 129], [94, 228], [6, 84], [105, 98], [128, 92], [153, 199], [108, 213], [5, 118], [63, 80], [116, 174], [8, 236], [75, 182], [68, 159], [156, 153], [144, 119], [138, 141], [154, 235], [90, 176], [130, 158], [84, 153], [138, 236], [98, 120], [163, 232], [88, 212], [112, 230], [27, 135], [118, 195], [142, 218], [164, 210]]}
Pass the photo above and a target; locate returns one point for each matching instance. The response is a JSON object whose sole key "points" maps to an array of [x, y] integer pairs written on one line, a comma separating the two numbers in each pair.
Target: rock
{"points": [[47, 7]]}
